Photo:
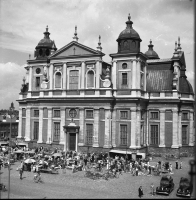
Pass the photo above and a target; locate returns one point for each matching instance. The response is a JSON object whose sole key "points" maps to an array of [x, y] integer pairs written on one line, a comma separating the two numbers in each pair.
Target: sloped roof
{"points": [[159, 80], [185, 86]]}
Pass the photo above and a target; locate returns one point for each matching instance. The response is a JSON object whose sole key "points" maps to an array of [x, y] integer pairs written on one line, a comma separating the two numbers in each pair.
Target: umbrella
{"points": [[57, 154], [29, 160], [29, 152], [18, 151]]}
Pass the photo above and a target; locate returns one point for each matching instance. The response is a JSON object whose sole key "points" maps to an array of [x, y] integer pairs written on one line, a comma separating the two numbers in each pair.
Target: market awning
{"points": [[120, 151], [2, 143], [21, 144]]}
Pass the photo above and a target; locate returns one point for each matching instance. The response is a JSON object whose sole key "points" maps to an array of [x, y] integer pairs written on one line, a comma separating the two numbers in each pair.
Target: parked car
{"points": [[166, 185], [185, 188]]}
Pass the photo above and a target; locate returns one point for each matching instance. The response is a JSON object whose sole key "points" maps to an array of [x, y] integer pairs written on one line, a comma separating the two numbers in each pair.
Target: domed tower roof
{"points": [[46, 41], [129, 32], [151, 54], [45, 47]]}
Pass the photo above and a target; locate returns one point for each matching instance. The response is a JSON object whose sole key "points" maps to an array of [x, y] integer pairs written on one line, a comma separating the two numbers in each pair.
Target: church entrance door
{"points": [[72, 141]]}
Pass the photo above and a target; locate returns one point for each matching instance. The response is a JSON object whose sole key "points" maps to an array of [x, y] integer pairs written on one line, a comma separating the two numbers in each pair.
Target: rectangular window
{"points": [[123, 134], [124, 78], [89, 114], [36, 130], [154, 134], [142, 134], [184, 134], [56, 132], [73, 79], [37, 82], [142, 80], [154, 115], [89, 134], [185, 116], [36, 113], [23, 112], [56, 113], [124, 114]]}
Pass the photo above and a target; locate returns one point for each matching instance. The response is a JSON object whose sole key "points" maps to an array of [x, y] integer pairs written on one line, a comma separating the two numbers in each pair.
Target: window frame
{"points": [[86, 115], [156, 138], [56, 131], [90, 70], [151, 115], [35, 113], [36, 130], [37, 83], [186, 135], [60, 80], [124, 135], [183, 115], [126, 115], [124, 81], [89, 133], [54, 113], [73, 68]]}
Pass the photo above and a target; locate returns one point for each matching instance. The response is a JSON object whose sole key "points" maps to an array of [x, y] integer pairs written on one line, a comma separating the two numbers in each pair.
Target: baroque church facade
{"points": [[73, 100]]}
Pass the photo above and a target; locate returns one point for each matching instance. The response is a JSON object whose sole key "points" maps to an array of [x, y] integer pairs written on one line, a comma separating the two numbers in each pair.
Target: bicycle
{"points": [[37, 178]]}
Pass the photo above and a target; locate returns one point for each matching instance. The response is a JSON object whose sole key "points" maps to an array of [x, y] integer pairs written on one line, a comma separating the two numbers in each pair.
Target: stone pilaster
{"points": [[138, 69], [162, 128], [138, 127], [40, 137], [147, 127], [28, 124], [62, 135], [107, 138], [179, 128], [96, 128], [83, 75], [49, 135], [97, 86], [133, 128], [30, 82], [81, 132], [20, 124], [51, 77], [175, 130], [191, 134], [114, 128], [64, 76], [114, 74]]}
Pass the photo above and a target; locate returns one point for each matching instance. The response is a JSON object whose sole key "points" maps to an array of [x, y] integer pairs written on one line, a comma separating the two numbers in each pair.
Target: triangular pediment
{"points": [[75, 49]]}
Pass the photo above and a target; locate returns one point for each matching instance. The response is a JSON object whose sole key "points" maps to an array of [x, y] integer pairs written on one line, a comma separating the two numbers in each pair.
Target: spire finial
{"points": [[150, 45], [179, 47], [175, 46], [129, 17], [175, 54], [75, 35], [99, 44], [47, 28], [150, 41]]}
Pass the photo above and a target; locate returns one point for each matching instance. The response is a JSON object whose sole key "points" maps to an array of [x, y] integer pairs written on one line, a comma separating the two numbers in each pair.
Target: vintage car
{"points": [[166, 185], [185, 188]]}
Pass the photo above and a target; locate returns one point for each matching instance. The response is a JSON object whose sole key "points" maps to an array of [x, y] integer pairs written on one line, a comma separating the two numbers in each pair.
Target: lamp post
{"points": [[11, 113]]}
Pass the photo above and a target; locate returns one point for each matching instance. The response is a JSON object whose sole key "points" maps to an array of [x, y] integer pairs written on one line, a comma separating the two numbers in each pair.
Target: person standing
{"points": [[180, 164], [152, 189], [140, 191], [177, 164]]}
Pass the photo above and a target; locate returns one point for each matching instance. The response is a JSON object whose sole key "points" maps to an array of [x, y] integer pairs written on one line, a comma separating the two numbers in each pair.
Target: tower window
{"points": [[47, 52], [37, 82], [40, 52], [58, 80], [90, 79], [124, 78]]}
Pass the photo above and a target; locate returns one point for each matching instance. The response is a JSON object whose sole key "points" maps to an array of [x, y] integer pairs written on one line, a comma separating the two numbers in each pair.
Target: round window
{"points": [[38, 70], [72, 112], [124, 65]]}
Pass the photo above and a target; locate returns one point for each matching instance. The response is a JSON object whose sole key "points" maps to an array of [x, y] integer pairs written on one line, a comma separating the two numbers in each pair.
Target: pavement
{"points": [[76, 186]]}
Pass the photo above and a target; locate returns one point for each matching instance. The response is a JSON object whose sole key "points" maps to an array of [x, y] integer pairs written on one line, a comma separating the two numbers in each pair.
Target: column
{"points": [[179, 128], [138, 127], [114, 128], [96, 128], [81, 131], [134, 77], [147, 128], [191, 125], [40, 137], [30, 82], [64, 76], [175, 130], [51, 79], [133, 127], [62, 134], [20, 124], [162, 128], [114, 74], [28, 124], [97, 86], [65, 140], [107, 138], [83, 76], [49, 135], [138, 69]]}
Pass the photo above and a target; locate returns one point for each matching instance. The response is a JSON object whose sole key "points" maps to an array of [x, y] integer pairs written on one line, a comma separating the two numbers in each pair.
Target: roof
{"points": [[159, 78], [151, 53], [185, 86], [159, 60]]}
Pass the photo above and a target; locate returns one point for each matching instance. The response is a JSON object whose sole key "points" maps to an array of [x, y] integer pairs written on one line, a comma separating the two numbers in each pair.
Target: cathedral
{"points": [[138, 104]]}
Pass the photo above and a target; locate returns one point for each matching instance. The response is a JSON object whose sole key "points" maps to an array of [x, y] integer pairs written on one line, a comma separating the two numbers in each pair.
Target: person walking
{"points": [[180, 164], [177, 164], [152, 189], [140, 191]]}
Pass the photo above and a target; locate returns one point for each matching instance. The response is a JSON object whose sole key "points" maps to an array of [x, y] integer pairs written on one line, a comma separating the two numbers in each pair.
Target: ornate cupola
{"points": [[45, 47], [151, 54], [129, 40]]}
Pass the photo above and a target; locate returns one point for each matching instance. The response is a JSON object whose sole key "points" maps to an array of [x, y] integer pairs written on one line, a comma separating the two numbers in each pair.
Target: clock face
{"points": [[106, 83], [72, 112], [38, 70]]}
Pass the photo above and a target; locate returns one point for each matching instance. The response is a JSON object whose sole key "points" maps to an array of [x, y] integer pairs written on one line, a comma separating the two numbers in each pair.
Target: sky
{"points": [[23, 22]]}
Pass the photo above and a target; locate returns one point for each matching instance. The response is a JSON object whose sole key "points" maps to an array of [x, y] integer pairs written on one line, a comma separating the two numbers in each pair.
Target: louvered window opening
{"points": [[123, 134], [89, 134]]}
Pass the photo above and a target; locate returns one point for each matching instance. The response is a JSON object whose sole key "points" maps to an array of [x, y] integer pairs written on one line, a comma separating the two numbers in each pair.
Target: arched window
{"points": [[90, 79], [58, 80]]}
